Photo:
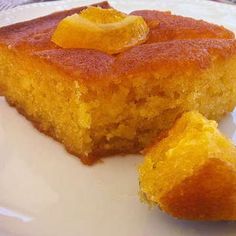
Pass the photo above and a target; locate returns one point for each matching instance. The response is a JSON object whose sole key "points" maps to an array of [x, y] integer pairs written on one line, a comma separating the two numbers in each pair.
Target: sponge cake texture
{"points": [[98, 104], [191, 172]]}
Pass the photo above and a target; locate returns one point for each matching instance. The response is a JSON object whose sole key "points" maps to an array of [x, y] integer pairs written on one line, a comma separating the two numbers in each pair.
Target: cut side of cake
{"points": [[98, 104], [191, 172]]}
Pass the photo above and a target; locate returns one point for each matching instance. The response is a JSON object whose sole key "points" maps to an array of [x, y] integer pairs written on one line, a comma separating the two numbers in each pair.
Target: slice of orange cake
{"points": [[98, 104], [191, 172]]}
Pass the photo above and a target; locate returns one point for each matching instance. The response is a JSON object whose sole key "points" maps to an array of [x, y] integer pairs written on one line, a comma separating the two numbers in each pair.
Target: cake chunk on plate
{"points": [[191, 172]]}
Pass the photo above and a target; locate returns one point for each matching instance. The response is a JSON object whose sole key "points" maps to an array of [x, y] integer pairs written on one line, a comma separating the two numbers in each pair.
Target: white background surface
{"points": [[44, 191]]}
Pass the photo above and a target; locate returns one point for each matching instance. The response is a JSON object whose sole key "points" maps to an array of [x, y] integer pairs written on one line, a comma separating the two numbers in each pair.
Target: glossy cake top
{"points": [[36, 34], [172, 27], [167, 48]]}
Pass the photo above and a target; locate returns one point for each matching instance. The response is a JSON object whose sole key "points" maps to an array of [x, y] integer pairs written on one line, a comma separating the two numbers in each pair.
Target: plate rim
{"points": [[81, 2]]}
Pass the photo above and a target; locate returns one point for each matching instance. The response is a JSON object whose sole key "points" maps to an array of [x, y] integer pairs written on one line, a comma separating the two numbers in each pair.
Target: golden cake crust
{"points": [[36, 34], [87, 63], [167, 57], [174, 56], [207, 195], [34, 38], [165, 26]]}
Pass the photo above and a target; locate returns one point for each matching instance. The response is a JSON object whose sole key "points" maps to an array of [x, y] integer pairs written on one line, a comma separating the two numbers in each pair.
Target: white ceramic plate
{"points": [[44, 191]]}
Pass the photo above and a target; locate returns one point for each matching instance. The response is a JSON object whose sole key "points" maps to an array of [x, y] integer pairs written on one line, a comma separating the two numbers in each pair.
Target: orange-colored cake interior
{"points": [[98, 104], [191, 172]]}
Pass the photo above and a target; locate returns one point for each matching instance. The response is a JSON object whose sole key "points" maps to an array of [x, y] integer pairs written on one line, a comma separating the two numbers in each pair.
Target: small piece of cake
{"points": [[98, 104], [191, 172]]}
